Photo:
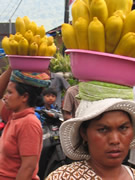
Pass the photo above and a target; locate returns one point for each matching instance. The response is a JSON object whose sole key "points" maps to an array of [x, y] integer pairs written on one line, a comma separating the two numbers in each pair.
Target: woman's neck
{"points": [[110, 173]]}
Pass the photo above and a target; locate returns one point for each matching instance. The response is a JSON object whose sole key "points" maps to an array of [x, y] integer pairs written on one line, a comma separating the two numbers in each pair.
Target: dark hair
{"points": [[85, 125], [35, 94], [49, 91]]}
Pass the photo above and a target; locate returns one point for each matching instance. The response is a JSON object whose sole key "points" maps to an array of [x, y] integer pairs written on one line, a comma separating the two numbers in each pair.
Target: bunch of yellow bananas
{"points": [[29, 39], [101, 25]]}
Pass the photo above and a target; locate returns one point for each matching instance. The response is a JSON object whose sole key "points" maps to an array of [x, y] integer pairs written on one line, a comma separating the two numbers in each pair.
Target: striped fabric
{"points": [[31, 78]]}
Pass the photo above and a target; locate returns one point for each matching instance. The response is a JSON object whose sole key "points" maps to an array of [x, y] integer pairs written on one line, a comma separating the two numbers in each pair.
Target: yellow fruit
{"points": [[113, 31], [98, 8], [11, 36], [33, 49], [28, 35], [120, 13], [69, 36], [50, 50], [86, 1], [79, 9], [81, 30], [50, 40], [18, 36], [129, 24], [41, 31], [36, 39], [124, 5], [44, 39], [54, 48], [5, 45], [96, 35], [42, 49], [126, 46], [33, 27], [20, 25], [26, 21], [23, 46], [13, 46]]}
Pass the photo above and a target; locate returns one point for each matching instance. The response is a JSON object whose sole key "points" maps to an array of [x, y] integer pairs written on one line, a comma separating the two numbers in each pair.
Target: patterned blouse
{"points": [[80, 170]]}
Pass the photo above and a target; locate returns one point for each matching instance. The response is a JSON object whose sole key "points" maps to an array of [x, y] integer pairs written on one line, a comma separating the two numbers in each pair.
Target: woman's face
{"points": [[13, 100], [109, 138]]}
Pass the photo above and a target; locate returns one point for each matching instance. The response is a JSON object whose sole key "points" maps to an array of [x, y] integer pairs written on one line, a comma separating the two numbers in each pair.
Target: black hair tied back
{"points": [[35, 94]]}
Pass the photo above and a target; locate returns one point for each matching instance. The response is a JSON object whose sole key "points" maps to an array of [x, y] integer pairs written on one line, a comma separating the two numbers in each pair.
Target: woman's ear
{"points": [[83, 134], [25, 97]]}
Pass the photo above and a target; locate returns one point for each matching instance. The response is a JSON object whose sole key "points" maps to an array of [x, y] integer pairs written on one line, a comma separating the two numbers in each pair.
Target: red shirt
{"points": [[22, 136]]}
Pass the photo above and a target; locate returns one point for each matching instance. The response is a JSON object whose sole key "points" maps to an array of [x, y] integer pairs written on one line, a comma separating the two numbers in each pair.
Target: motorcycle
{"points": [[52, 155]]}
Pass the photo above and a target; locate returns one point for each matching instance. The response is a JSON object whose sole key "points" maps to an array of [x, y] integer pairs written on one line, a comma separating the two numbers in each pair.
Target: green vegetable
{"points": [[95, 90]]}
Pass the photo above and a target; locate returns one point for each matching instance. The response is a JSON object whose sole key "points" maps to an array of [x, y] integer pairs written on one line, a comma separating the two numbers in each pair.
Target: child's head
{"points": [[50, 96]]}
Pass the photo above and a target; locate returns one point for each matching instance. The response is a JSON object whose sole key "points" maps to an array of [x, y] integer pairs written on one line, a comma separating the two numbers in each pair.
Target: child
{"points": [[49, 96]]}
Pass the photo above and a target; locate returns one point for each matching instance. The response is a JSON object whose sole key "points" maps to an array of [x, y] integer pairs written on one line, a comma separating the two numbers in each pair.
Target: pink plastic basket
{"points": [[91, 65], [29, 63]]}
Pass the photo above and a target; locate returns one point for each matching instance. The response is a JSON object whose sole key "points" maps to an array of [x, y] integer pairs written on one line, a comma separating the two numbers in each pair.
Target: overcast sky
{"points": [[49, 13]]}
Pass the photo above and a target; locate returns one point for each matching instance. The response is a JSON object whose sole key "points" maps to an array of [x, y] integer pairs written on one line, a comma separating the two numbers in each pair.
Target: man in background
{"points": [[70, 103]]}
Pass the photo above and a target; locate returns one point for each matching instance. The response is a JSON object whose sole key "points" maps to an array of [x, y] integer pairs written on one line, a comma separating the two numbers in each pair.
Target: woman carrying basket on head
{"points": [[100, 136], [21, 140]]}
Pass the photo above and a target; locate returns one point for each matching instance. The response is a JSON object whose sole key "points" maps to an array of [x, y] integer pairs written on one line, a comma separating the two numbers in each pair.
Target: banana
{"points": [[79, 9], [50, 40], [124, 5], [13, 46], [20, 25], [5, 45], [44, 39], [26, 21], [23, 46], [28, 35], [50, 50], [33, 27], [18, 36], [11, 36], [113, 31], [41, 31], [120, 13], [36, 39], [96, 35], [33, 49], [98, 8], [42, 49], [81, 30], [69, 36], [126, 45], [129, 23]]}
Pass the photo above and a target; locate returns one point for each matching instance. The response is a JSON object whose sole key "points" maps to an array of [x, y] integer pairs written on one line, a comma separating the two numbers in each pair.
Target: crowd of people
{"points": [[96, 135]]}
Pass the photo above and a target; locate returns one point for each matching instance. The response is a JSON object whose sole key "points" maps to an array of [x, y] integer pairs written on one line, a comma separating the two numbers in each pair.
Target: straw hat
{"points": [[69, 130]]}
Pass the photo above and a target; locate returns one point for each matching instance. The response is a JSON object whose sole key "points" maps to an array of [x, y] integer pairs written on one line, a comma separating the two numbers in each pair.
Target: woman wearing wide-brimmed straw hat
{"points": [[21, 140], [98, 139]]}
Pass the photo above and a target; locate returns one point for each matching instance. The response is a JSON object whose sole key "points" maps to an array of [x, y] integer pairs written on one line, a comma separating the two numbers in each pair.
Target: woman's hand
{"points": [[4, 79]]}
